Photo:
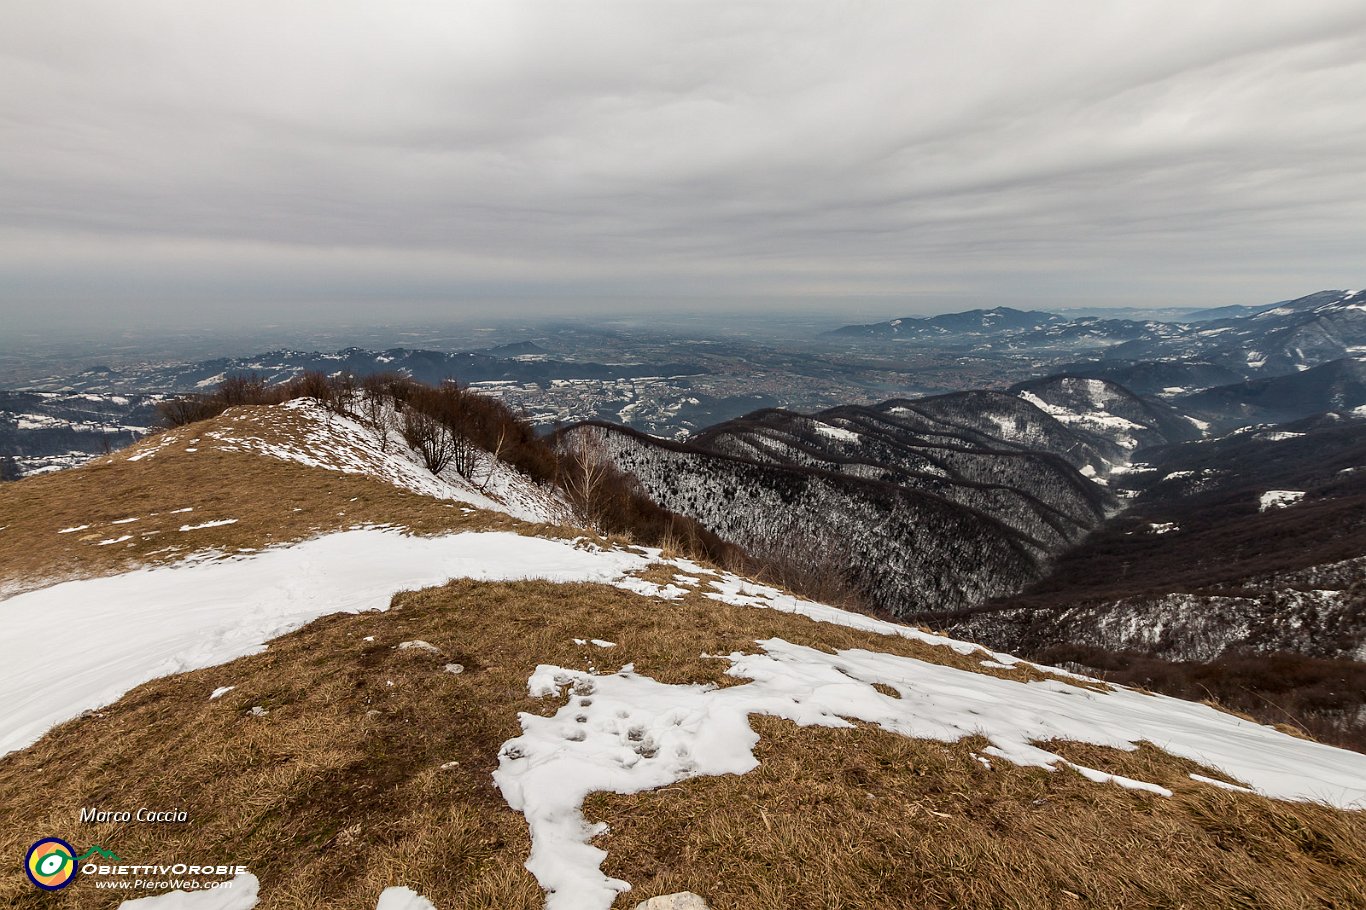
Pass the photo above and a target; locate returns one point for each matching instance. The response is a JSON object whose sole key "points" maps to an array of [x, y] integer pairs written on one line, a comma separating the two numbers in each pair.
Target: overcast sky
{"points": [[180, 160]]}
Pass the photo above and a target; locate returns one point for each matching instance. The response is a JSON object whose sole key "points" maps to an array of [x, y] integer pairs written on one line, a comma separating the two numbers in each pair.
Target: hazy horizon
{"points": [[200, 166]]}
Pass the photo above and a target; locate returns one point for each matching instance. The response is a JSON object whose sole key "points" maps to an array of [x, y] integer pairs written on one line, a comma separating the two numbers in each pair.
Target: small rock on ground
{"points": [[683, 900], [419, 645]]}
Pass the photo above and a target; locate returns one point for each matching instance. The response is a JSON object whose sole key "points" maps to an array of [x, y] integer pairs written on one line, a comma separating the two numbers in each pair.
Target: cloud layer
{"points": [[157, 158]]}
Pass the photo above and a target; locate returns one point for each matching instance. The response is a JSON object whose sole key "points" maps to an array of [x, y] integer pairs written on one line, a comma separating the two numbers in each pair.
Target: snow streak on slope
{"points": [[626, 733], [83, 644], [304, 432]]}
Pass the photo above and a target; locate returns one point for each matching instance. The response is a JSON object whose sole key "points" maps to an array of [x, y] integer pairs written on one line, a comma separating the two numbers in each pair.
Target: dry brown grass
{"points": [[339, 790], [866, 819], [273, 501]]}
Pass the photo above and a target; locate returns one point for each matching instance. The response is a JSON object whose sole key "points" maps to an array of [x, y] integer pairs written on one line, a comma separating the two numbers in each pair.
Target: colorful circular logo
{"points": [[51, 863]]}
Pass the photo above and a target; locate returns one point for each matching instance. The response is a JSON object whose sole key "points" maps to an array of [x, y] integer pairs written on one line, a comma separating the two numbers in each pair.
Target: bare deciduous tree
{"points": [[464, 455], [374, 409], [586, 471], [496, 455], [429, 437]]}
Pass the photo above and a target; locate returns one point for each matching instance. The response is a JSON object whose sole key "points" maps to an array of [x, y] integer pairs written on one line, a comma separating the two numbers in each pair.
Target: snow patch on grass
{"points": [[626, 733], [123, 630], [209, 524]]}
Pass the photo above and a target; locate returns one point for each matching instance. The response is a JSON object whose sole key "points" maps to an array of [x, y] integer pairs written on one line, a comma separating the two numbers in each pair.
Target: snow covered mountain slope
{"points": [[302, 431], [547, 719], [915, 504], [897, 545], [1248, 545], [47, 431], [205, 612], [250, 478], [1336, 385], [1107, 410], [1294, 336]]}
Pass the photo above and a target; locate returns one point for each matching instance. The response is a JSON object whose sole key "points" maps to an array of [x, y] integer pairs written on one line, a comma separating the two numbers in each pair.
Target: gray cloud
{"points": [[168, 158]]}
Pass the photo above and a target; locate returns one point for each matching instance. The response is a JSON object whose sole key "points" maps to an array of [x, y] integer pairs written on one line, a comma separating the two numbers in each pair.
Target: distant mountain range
{"points": [[996, 321], [1227, 343], [519, 362]]}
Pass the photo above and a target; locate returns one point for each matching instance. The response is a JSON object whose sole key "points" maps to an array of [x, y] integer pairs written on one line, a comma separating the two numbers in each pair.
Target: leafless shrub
{"points": [[176, 412], [585, 472], [332, 392], [465, 455], [428, 437], [234, 391], [245, 388], [374, 405]]}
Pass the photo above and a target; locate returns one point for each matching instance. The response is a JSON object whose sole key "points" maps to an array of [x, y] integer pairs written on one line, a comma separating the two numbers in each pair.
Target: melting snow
{"points": [[626, 733], [402, 898], [839, 433], [1279, 499], [209, 524], [737, 591], [123, 630]]}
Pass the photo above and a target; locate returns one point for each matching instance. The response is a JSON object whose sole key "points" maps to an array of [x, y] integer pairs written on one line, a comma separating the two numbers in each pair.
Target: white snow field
{"points": [[83, 644], [626, 733]]}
